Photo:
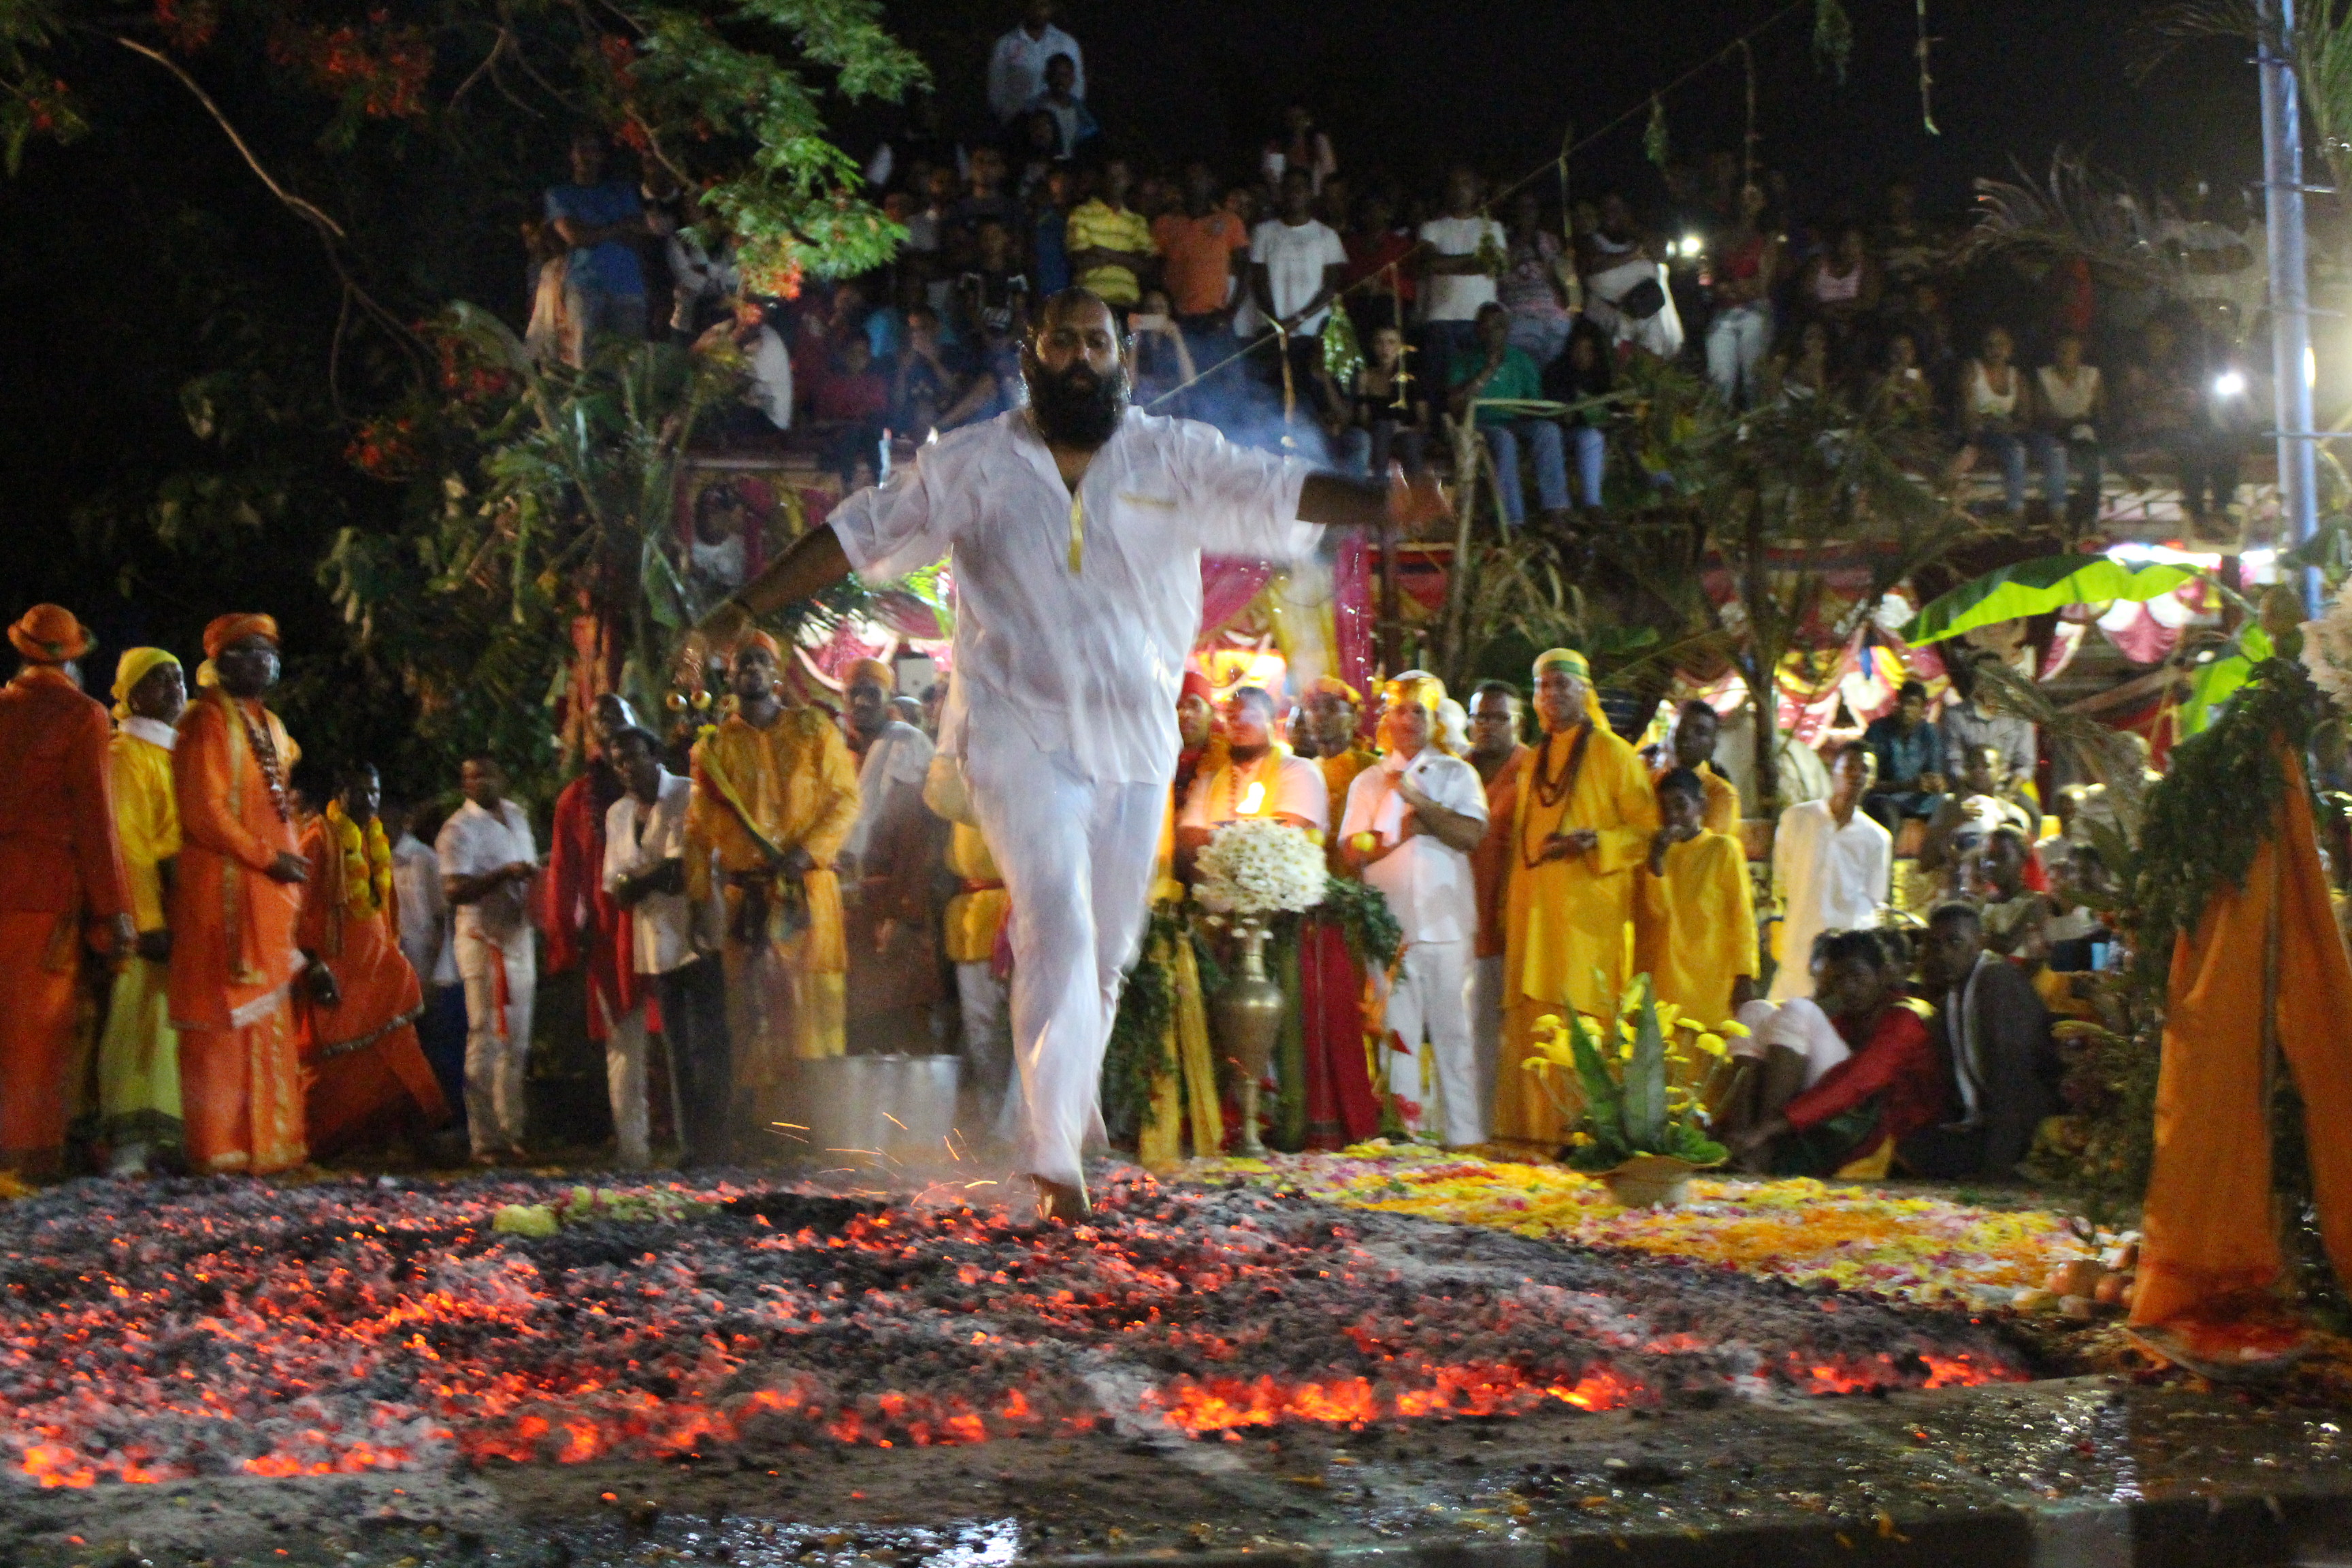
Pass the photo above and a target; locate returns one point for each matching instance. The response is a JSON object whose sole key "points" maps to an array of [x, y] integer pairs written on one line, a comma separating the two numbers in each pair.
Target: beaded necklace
{"points": [[264, 752]]}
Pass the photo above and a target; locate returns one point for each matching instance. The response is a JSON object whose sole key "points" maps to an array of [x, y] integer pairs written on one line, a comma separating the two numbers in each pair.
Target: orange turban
{"points": [[870, 668], [1196, 685], [48, 634], [1425, 689], [227, 629], [1332, 686], [762, 641]]}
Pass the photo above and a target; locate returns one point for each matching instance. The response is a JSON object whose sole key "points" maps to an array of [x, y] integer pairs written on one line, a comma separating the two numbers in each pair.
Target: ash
{"points": [[166, 1330]]}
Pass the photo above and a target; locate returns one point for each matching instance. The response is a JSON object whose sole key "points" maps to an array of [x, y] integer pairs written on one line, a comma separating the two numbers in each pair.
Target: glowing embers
{"points": [[236, 1327]]}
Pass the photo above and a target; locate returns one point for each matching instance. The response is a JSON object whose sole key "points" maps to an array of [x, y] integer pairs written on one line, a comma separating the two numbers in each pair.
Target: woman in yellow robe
{"points": [[1583, 823], [139, 1054]]}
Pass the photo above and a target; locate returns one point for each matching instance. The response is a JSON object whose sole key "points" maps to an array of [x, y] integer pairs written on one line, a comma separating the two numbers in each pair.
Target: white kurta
{"points": [[637, 838], [1430, 891], [1062, 710], [1828, 878], [499, 962]]}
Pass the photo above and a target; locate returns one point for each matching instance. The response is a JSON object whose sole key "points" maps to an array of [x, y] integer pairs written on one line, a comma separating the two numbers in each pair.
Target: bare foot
{"points": [[1062, 1201]]}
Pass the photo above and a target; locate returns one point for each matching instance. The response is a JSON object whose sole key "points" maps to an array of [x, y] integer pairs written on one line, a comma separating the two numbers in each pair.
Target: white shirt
{"points": [[1016, 69], [770, 390], [1829, 879], [423, 911], [637, 838], [1294, 259], [1662, 333], [1457, 297], [1084, 662], [155, 732], [472, 842], [900, 755], [1426, 881], [1294, 788]]}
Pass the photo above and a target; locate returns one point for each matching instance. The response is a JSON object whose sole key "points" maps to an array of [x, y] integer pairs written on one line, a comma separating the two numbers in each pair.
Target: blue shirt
{"points": [[612, 266], [1903, 758], [1053, 267]]}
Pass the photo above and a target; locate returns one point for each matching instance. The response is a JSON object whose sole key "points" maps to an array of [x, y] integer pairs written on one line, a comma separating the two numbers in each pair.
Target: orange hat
{"points": [[1332, 686], [761, 640], [873, 667], [48, 634], [1414, 686], [227, 629]]}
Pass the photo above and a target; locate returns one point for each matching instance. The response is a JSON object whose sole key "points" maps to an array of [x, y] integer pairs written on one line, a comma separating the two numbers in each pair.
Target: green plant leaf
{"points": [[1646, 1078], [1604, 1107], [2037, 586]]}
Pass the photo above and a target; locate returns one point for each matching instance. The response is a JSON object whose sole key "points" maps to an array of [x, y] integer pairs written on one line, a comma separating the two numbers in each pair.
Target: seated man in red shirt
{"points": [[1891, 1086], [852, 403]]}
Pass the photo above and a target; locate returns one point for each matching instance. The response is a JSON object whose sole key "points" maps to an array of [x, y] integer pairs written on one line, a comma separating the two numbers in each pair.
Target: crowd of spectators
{"points": [[1455, 294]]}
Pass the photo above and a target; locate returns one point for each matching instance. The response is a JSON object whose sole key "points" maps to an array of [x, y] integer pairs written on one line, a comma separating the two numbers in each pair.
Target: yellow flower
{"points": [[1711, 1044], [1732, 1026]]}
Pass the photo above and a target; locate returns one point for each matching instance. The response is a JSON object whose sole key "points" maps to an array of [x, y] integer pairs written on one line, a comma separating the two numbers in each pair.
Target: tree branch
{"points": [[294, 203]]}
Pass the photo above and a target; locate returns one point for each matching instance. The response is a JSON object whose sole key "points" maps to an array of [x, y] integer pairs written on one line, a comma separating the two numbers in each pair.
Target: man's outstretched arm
{"points": [[810, 565], [1341, 500]]}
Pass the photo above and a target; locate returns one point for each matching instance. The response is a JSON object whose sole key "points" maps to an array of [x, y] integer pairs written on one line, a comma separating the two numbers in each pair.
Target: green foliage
{"points": [[1361, 911], [1630, 1107], [1832, 36], [1655, 144], [1141, 1031]]}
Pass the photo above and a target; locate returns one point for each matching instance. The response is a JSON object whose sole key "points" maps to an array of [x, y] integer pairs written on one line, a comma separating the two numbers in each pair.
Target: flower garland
{"points": [[1257, 866], [366, 858]]}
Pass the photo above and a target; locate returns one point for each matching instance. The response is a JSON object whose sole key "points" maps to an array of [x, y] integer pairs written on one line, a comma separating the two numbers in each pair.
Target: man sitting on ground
{"points": [[2015, 918], [1993, 1055], [1967, 817], [1889, 1089]]}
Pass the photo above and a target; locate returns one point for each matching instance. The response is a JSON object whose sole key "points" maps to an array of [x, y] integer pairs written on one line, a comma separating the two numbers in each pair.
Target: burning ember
{"points": [[152, 1332]]}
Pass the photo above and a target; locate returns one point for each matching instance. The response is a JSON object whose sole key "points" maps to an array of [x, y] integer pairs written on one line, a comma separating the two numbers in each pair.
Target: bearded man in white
{"points": [[1409, 826], [1075, 526]]}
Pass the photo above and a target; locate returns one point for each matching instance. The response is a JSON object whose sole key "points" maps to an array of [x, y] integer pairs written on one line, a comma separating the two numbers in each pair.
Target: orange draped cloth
{"points": [[232, 950], [365, 1073], [2210, 1244], [59, 865]]}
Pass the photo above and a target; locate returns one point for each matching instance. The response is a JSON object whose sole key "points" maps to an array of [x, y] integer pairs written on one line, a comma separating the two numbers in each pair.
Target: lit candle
{"points": [[1254, 800]]}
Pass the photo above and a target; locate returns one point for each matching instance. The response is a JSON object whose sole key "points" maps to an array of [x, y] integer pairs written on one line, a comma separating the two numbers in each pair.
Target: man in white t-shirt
{"points": [[1461, 256], [1411, 824], [487, 861], [1298, 267], [1016, 67]]}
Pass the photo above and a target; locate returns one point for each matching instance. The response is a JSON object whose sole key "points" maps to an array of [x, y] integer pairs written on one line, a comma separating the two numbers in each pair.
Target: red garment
{"points": [[1340, 1107], [583, 919], [853, 398], [1897, 1062], [57, 850], [1369, 253]]}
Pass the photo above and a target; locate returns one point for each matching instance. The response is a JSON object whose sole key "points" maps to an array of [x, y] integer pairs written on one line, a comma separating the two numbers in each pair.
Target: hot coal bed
{"points": [[162, 1331]]}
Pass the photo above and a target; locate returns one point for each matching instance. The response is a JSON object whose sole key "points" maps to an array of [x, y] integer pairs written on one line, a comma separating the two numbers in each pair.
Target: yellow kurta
{"points": [[1339, 773], [139, 1054], [796, 781], [1566, 920], [1189, 1093], [1695, 932]]}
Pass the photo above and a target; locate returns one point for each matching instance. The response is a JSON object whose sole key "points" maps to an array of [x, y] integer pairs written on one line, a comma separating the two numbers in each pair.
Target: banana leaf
{"points": [[2036, 587], [1604, 1107], [1646, 1079]]}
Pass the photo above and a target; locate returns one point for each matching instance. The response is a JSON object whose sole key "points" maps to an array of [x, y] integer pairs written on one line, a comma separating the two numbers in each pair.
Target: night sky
{"points": [[1406, 85]]}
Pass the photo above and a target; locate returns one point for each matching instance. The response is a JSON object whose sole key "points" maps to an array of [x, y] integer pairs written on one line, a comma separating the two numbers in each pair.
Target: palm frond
{"points": [[2076, 212]]}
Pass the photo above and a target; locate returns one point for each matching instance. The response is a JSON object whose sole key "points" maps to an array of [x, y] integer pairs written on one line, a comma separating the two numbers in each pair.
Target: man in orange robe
{"points": [[234, 905], [367, 1076], [59, 865]]}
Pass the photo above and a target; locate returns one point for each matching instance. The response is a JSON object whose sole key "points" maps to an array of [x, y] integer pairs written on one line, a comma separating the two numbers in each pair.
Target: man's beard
{"points": [[1077, 408]]}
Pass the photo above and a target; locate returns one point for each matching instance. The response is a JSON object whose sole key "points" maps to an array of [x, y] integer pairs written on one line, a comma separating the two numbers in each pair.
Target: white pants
{"points": [[1798, 1024], [1486, 1031], [988, 1047], [1428, 1000], [496, 1055], [1077, 856], [624, 1079]]}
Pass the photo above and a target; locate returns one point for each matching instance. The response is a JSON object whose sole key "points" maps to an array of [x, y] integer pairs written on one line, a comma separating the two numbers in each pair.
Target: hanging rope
{"points": [[1927, 81], [1641, 106], [1747, 139]]}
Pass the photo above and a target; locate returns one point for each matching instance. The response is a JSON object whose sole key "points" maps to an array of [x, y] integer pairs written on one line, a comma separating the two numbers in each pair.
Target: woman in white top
{"points": [[2070, 404], [1996, 411]]}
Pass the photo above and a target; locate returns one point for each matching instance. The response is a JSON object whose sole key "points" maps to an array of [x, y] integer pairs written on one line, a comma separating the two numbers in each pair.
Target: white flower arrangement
{"points": [[2328, 650], [1258, 866]]}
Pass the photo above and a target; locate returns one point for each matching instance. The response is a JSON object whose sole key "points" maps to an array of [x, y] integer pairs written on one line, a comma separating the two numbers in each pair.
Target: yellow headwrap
{"points": [[207, 675], [1426, 692], [135, 666], [1577, 664]]}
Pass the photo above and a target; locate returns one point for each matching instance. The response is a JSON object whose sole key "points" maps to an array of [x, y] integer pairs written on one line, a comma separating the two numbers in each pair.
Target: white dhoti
{"points": [[1428, 1001], [501, 982], [1798, 1024], [1486, 1031], [626, 1050], [1077, 856]]}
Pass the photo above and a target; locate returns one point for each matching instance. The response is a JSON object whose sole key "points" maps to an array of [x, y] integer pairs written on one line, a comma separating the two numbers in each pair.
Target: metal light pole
{"points": [[2290, 282]]}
